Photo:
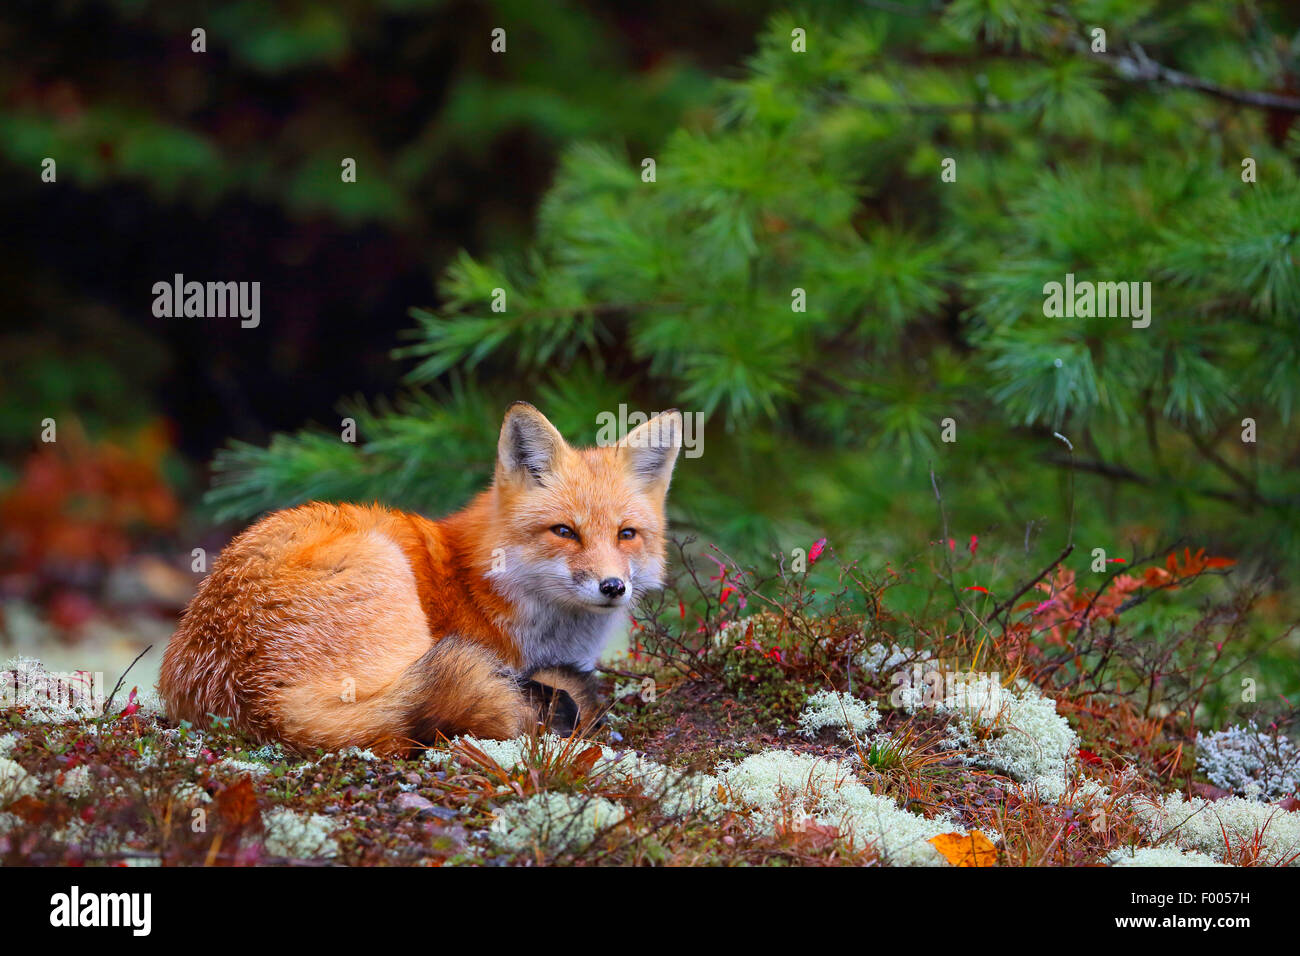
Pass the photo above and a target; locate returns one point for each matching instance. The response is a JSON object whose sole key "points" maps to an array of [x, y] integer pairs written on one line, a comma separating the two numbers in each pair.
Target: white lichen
{"points": [[553, 822], [298, 835], [791, 788], [191, 795], [77, 782], [97, 840], [46, 698], [1250, 763], [881, 659], [847, 714], [358, 753], [1160, 856], [15, 782], [764, 629], [1016, 732], [1232, 826], [254, 768], [146, 700]]}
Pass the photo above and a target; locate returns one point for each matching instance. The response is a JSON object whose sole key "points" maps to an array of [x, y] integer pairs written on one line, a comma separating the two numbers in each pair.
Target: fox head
{"points": [[584, 529]]}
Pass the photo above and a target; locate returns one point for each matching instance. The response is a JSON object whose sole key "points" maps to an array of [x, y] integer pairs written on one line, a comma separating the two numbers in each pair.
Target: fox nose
{"points": [[612, 587]]}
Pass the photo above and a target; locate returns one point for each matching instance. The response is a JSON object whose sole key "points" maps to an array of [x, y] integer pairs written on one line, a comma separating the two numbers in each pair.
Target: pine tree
{"points": [[850, 248]]}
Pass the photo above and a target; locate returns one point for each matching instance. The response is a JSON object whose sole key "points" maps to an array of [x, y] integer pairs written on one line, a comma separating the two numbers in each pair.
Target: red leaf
{"points": [[1210, 792], [237, 804]]}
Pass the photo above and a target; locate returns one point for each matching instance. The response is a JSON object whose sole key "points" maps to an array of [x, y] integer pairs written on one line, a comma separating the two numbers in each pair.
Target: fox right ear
{"points": [[529, 446]]}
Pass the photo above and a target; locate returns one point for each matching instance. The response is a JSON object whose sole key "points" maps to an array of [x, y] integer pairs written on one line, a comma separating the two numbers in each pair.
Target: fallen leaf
{"points": [[966, 849], [1209, 791], [237, 804]]}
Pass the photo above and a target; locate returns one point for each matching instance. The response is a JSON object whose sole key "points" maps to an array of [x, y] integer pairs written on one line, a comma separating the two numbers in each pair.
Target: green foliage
{"points": [[579, 86], [820, 171]]}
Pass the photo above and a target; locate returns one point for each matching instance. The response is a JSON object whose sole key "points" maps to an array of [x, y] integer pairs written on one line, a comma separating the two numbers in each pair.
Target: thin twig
{"points": [[109, 703], [1041, 574], [947, 551]]}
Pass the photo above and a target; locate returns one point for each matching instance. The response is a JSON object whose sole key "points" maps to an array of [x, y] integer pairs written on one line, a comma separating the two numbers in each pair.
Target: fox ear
{"points": [[529, 446], [650, 450]]}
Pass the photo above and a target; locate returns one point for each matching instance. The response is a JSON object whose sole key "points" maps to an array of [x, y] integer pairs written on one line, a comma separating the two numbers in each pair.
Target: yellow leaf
{"points": [[966, 849]]}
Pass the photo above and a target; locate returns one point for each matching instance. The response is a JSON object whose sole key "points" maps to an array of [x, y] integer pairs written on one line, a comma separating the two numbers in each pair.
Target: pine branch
{"points": [[941, 109], [1218, 461], [1137, 67], [1121, 473], [1140, 68]]}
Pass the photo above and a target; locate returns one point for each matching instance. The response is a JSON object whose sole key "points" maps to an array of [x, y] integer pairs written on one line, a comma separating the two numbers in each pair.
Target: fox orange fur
{"points": [[335, 625]]}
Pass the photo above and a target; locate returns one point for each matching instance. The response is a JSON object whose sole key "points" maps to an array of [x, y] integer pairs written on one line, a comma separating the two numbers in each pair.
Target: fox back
{"points": [[336, 625]]}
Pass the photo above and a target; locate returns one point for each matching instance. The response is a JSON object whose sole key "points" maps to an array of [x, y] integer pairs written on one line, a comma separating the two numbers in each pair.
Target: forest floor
{"points": [[719, 767]]}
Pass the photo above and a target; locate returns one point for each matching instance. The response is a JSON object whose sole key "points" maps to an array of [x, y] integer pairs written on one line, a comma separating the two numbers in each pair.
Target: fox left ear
{"points": [[529, 446], [650, 450]]}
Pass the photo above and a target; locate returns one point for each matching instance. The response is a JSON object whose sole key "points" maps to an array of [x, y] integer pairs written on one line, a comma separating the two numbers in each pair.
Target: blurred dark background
{"points": [[206, 165]]}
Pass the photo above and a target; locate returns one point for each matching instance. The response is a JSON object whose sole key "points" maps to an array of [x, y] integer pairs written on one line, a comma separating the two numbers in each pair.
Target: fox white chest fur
{"points": [[551, 632]]}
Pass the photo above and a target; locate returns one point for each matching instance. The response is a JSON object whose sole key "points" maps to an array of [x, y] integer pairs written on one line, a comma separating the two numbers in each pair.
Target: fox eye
{"points": [[627, 534], [564, 531]]}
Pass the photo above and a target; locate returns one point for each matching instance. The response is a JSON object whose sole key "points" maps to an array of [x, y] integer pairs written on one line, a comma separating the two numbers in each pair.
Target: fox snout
{"points": [[607, 588]]}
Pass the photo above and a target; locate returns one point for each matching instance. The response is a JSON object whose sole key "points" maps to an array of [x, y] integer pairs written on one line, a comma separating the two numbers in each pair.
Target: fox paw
{"points": [[555, 707]]}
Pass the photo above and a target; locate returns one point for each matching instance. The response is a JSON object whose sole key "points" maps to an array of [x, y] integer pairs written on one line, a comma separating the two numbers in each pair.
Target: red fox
{"points": [[343, 625]]}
